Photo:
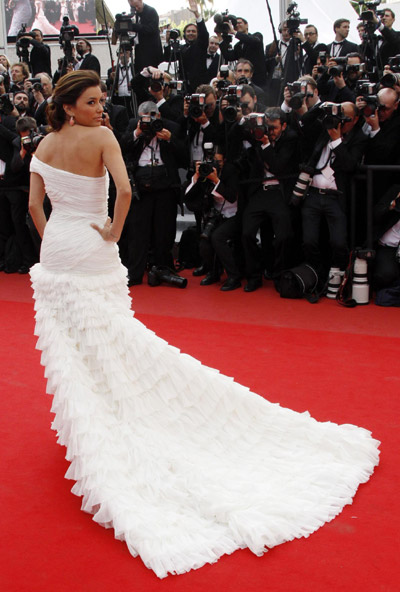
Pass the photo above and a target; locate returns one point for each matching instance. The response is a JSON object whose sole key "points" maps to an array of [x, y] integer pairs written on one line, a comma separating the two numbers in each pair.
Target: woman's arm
{"points": [[114, 162], [36, 197]]}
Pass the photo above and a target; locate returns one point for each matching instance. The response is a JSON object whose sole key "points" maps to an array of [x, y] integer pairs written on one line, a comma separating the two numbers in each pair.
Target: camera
{"points": [[254, 126], [221, 20], [209, 163], [368, 15], [122, 27], [156, 85], [224, 73], [174, 34], [367, 90], [22, 43], [211, 221], [36, 84], [394, 63], [355, 68], [163, 274], [233, 96], [293, 20], [31, 142], [337, 70], [390, 80], [331, 115], [6, 105], [175, 85], [196, 104], [298, 91], [67, 32], [150, 125]]}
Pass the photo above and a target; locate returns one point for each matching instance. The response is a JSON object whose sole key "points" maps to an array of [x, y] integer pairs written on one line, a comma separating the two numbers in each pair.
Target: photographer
{"points": [[21, 104], [338, 83], [249, 47], [340, 47], [147, 43], [383, 129], [192, 53], [378, 47], [40, 56], [212, 195], [19, 72], [86, 60], [237, 141], [155, 85], [41, 92], [200, 122], [213, 58], [14, 187], [311, 48], [119, 81], [337, 154], [244, 72], [272, 166], [387, 237], [153, 154]]}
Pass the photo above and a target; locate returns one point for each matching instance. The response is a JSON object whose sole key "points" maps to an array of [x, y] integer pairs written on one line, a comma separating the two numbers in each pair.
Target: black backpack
{"points": [[299, 282]]}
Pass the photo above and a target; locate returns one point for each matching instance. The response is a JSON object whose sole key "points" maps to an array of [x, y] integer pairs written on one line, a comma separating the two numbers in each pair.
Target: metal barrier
{"points": [[366, 172]]}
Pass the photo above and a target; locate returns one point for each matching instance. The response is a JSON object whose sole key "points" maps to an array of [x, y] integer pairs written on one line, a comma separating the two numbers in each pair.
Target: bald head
{"points": [[388, 103]]}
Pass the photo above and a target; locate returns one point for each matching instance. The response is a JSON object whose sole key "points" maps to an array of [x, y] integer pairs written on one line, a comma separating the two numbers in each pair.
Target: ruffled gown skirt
{"points": [[185, 464]]}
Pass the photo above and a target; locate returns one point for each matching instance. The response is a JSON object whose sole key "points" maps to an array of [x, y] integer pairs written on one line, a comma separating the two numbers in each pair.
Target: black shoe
{"points": [[202, 270], [253, 285], [133, 282], [209, 279], [2, 265], [23, 269], [230, 284]]}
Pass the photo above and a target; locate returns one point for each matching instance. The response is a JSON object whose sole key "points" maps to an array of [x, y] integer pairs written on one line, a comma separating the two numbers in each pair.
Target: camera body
{"points": [[208, 163], [174, 34], [293, 19], [254, 126], [298, 91], [31, 142], [6, 105], [233, 96], [222, 20], [150, 125], [339, 69], [197, 103], [122, 27], [394, 64], [157, 85], [36, 84], [331, 115], [177, 85], [368, 90]]}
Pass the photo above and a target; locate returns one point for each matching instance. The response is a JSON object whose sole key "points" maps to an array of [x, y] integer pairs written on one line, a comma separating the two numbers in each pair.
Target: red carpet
{"points": [[340, 364]]}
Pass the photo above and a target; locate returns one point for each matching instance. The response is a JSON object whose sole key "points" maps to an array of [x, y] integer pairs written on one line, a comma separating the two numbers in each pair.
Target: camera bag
{"points": [[299, 282]]}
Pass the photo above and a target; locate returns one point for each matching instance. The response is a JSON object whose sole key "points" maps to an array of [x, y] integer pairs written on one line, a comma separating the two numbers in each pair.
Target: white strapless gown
{"points": [[185, 464]]}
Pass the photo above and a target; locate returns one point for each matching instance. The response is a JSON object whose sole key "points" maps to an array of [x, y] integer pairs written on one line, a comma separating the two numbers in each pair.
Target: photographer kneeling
{"points": [[213, 194]]}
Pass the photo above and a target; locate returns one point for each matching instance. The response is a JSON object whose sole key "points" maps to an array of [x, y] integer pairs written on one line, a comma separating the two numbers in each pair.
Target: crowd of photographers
{"points": [[260, 143]]}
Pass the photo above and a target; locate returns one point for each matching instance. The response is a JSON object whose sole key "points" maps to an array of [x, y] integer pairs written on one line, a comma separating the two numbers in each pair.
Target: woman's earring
{"points": [[72, 120]]}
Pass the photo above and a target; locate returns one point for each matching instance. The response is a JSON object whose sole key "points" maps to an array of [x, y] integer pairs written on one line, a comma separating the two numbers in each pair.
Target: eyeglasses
{"points": [[309, 34]]}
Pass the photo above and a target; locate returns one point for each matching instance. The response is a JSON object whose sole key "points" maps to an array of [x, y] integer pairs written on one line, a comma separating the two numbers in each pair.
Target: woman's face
{"points": [[88, 109], [3, 61]]}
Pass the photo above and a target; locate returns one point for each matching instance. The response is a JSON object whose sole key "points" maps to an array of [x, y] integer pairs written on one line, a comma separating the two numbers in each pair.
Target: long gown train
{"points": [[185, 464]]}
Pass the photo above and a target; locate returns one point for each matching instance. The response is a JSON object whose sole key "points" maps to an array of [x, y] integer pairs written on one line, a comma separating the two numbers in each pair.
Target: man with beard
{"points": [[86, 60]]}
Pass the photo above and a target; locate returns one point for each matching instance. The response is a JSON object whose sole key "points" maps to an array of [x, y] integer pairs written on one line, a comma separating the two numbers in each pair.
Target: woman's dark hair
{"points": [[67, 91]]}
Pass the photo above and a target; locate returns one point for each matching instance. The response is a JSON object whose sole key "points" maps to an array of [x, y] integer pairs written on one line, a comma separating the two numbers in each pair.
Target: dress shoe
{"points": [[253, 285], [23, 269], [2, 266], [133, 282], [230, 284], [209, 279], [202, 270]]}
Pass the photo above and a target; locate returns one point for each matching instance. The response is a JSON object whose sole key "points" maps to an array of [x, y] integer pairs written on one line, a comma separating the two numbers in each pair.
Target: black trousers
{"points": [[13, 211], [267, 205], [386, 267], [315, 208], [222, 244], [151, 223]]}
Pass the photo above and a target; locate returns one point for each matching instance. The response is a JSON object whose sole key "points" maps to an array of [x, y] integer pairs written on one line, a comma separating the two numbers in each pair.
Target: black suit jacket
{"points": [[90, 62], [228, 188], [311, 55], [347, 47], [148, 52], [40, 59], [249, 47], [213, 68], [172, 152], [384, 217]]}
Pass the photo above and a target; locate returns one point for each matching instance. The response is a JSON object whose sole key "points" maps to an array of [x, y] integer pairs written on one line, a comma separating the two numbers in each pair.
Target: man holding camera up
{"points": [[272, 164], [212, 195], [155, 85], [338, 82], [147, 42], [335, 158], [385, 42], [153, 155]]}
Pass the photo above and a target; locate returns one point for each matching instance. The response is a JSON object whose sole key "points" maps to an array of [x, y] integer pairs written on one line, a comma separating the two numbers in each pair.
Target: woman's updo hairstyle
{"points": [[67, 91]]}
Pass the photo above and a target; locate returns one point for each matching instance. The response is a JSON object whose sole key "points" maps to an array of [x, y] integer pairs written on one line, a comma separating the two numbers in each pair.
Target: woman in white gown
{"points": [[41, 21], [185, 464]]}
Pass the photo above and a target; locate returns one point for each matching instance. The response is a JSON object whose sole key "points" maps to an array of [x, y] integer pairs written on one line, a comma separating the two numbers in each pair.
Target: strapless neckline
{"points": [[66, 172]]}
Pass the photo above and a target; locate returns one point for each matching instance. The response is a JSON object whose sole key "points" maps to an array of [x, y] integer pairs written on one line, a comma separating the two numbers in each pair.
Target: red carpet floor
{"points": [[340, 364]]}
